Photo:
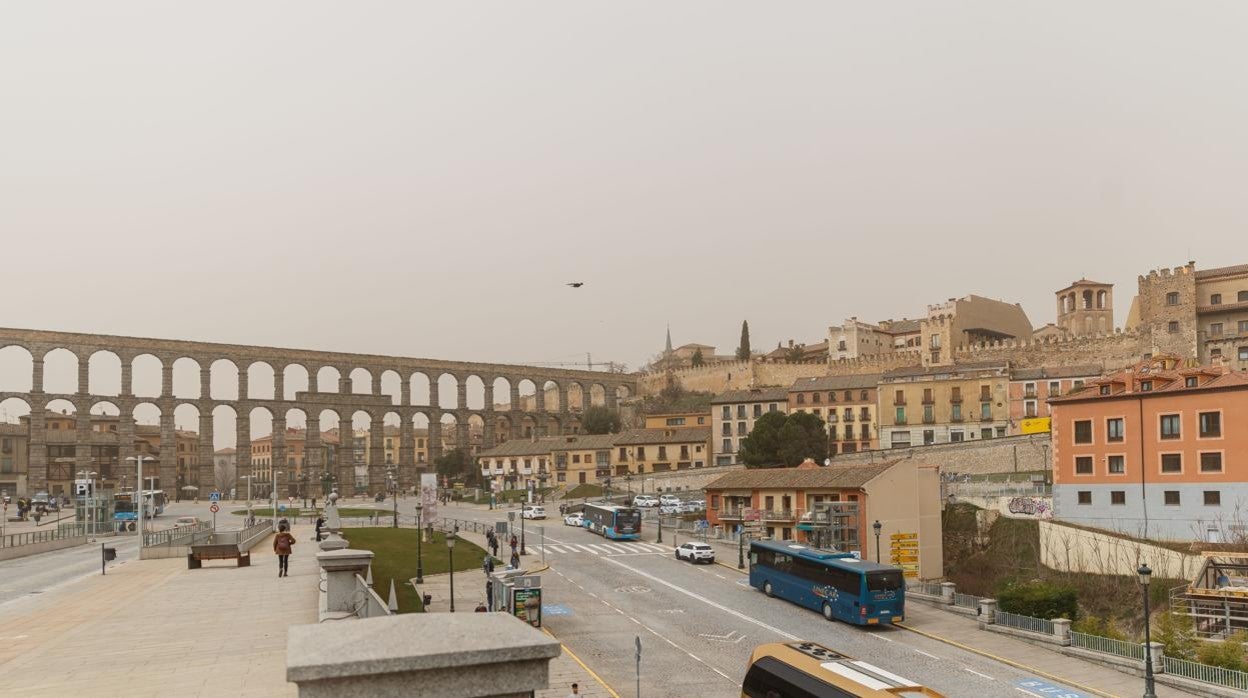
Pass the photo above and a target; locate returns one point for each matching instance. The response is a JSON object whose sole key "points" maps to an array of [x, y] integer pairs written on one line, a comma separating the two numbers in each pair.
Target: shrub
{"points": [[1228, 654], [1175, 630], [1039, 599], [1101, 627]]}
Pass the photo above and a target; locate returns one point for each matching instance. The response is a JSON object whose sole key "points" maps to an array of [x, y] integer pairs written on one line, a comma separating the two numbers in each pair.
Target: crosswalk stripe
{"points": [[555, 549], [602, 548], [587, 549]]}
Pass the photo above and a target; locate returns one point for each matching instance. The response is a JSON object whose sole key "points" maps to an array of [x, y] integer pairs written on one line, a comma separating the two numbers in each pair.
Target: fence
{"points": [[1206, 673], [62, 531], [1107, 645], [928, 588], [170, 535], [965, 600], [1035, 625]]}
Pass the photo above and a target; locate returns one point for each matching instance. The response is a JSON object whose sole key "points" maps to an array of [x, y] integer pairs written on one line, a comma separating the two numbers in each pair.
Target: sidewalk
{"points": [[155, 628]]}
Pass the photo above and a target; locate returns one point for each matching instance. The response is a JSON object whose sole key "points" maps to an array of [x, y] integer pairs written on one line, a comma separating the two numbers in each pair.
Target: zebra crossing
{"points": [[604, 549]]}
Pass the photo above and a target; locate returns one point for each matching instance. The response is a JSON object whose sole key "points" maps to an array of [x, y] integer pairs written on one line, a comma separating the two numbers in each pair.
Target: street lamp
{"points": [[740, 547], [394, 494], [1150, 690], [450, 557], [138, 495], [522, 551], [420, 561], [877, 526]]}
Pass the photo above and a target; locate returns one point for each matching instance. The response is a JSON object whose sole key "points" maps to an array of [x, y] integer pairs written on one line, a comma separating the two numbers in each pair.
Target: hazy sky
{"points": [[422, 178]]}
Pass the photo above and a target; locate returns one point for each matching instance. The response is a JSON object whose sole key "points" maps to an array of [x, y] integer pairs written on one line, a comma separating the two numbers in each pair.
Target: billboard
{"points": [[429, 495], [1035, 425]]}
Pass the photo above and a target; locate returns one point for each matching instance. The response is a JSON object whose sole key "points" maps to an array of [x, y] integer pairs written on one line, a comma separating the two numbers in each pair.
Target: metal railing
{"points": [[965, 600], [1035, 625], [62, 531], [928, 588], [371, 605], [1107, 645], [168, 536], [1206, 674]]}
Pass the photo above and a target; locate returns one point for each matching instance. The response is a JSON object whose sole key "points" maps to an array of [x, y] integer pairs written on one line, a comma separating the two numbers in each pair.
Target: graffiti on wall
{"points": [[1027, 507]]}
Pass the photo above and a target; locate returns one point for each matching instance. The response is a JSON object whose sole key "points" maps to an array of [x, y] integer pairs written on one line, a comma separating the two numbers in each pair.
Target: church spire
{"points": [[669, 339]]}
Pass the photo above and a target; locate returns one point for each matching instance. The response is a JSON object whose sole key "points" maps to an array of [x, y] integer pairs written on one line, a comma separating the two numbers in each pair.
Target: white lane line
{"points": [[587, 549], [721, 576], [554, 549], [1037, 695], [656, 548], [703, 599], [927, 654], [979, 674], [879, 637], [601, 549]]}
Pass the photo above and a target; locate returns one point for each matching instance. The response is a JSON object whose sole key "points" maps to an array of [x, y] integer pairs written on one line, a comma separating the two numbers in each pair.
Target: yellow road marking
{"points": [[584, 665]]}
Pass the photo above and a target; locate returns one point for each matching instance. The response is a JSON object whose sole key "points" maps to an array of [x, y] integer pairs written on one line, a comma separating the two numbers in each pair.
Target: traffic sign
{"points": [[214, 508], [214, 497]]}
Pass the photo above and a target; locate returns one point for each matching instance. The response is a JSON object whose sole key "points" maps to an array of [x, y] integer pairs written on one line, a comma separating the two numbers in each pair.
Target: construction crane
{"points": [[608, 366]]}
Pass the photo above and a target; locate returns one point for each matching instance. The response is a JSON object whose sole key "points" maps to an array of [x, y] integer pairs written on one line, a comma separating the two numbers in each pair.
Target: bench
{"points": [[229, 551]]}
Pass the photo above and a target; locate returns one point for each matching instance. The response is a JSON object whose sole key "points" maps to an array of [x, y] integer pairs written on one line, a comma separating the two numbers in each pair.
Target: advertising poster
{"points": [[429, 496], [526, 604]]}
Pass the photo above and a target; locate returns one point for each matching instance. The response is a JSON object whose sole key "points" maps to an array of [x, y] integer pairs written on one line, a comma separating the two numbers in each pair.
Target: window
{"points": [[1170, 426], [623, 453], [985, 410], [929, 437], [1029, 389], [901, 416], [929, 416], [955, 394], [956, 413], [772, 407], [1085, 497], [1146, 386], [1029, 408], [1215, 299], [726, 412], [1077, 385], [1000, 431], [726, 429], [741, 429], [676, 421], [1055, 388], [815, 397], [740, 411], [576, 458], [927, 396], [900, 439], [831, 397], [1191, 382], [865, 432], [1172, 463], [662, 452], [1210, 424], [727, 446], [758, 411], [899, 397], [1215, 354], [1172, 327], [1215, 328], [1114, 429], [1213, 498], [1211, 462], [956, 437], [1117, 497], [1171, 498], [1243, 326], [1243, 353], [864, 395], [1083, 465], [1117, 465], [801, 398], [1242, 297], [1083, 431], [934, 341], [985, 392], [849, 395], [1105, 390], [1172, 298]]}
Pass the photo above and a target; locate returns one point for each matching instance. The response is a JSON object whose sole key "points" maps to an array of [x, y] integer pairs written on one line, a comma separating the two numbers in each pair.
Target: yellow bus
{"points": [[810, 670]]}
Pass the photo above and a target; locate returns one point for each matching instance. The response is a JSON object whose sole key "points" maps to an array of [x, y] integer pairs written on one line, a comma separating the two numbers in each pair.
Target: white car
{"points": [[574, 519], [533, 513], [669, 500], [670, 509], [696, 552], [645, 500]]}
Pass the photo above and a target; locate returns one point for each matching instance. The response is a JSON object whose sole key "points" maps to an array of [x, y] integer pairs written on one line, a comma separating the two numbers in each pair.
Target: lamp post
{"points": [[138, 498], [420, 561], [740, 547], [1150, 690], [394, 494], [450, 555], [522, 550], [659, 520], [877, 526]]}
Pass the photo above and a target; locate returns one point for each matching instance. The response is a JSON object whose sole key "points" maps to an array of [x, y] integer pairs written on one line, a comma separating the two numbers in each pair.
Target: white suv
{"points": [[669, 500], [530, 512], [645, 500], [695, 552]]}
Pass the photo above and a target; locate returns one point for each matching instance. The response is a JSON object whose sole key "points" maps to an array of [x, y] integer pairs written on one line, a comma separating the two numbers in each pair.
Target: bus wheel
{"points": [[767, 588], [827, 611]]}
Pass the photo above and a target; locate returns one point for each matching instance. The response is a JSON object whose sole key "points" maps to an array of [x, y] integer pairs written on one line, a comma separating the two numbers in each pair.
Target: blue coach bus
{"points": [[838, 585], [612, 521]]}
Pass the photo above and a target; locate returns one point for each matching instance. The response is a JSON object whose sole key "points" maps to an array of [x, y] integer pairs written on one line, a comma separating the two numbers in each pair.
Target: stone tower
{"points": [[1167, 311], [1086, 308]]}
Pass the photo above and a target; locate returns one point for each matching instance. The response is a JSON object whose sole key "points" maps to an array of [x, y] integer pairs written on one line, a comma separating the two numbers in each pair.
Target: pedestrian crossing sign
{"points": [[214, 497]]}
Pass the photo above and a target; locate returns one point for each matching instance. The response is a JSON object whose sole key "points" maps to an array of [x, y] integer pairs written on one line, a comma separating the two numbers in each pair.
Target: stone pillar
{"points": [[1158, 652], [279, 458], [168, 471], [125, 441], [515, 396], [407, 455], [405, 390], [376, 457], [242, 384], [38, 465], [461, 394], [433, 395], [82, 443], [375, 387], [127, 376], [539, 398], [205, 471], [609, 399], [1061, 631], [84, 373], [487, 433], [461, 430], [166, 379], [279, 385], [489, 396], [435, 436], [242, 454], [344, 381], [421, 655], [36, 377], [205, 383], [987, 612], [946, 592], [313, 450], [340, 567], [346, 455], [564, 391]]}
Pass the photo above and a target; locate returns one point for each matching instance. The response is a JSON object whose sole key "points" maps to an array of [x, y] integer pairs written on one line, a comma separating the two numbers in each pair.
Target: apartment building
{"points": [[847, 404], [14, 460], [641, 451], [733, 414], [1030, 389], [679, 420], [511, 464], [943, 404], [1153, 451], [581, 458]]}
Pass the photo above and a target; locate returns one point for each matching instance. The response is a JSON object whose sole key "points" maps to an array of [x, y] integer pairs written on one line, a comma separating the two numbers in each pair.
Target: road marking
{"points": [[584, 665], [703, 599], [879, 637], [725, 638], [1044, 688], [979, 674], [603, 548], [719, 575], [927, 654], [587, 549]]}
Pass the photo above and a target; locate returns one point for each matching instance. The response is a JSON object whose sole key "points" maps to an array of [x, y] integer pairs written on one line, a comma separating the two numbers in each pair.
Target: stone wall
{"points": [[1069, 549], [1111, 351], [1026, 453], [1156, 315]]}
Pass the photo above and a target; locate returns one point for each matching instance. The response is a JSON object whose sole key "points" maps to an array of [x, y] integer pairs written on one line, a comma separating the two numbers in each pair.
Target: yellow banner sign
{"points": [[1036, 425], [904, 536]]}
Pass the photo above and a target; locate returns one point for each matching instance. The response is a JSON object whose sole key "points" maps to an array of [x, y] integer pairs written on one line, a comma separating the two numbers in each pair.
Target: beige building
{"points": [[678, 420], [511, 464], [942, 404], [854, 338], [641, 451], [1194, 313], [846, 404], [1086, 308], [733, 414], [582, 458], [14, 460], [969, 320]]}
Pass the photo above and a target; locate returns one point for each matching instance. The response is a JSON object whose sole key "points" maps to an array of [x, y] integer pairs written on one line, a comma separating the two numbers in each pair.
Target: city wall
{"points": [[1008, 454]]}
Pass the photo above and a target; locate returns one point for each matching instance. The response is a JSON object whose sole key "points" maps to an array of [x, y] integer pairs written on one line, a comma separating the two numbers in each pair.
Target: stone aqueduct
{"points": [[605, 388]]}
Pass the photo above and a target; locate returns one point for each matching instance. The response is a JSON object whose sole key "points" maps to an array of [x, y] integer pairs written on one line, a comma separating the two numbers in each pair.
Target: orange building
{"points": [[847, 404], [1153, 451]]}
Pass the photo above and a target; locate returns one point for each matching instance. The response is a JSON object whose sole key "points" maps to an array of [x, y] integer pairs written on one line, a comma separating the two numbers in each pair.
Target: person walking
{"points": [[283, 545], [514, 543], [320, 524], [494, 546], [576, 692], [515, 560]]}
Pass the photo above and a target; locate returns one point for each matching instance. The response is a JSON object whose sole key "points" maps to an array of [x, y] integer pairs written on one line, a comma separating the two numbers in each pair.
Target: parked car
{"points": [[574, 519], [695, 552], [530, 512], [669, 500], [670, 509], [186, 521], [697, 504], [645, 500]]}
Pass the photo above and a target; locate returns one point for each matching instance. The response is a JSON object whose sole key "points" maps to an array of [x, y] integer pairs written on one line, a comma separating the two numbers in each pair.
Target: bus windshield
{"points": [[889, 580], [627, 521]]}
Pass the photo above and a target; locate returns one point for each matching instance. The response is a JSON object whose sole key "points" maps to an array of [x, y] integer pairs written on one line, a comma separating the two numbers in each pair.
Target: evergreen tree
{"points": [[698, 359], [783, 441], [600, 420], [743, 351]]}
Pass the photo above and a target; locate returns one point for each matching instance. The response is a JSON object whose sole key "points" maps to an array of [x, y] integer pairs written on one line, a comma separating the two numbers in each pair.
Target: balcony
{"points": [[1030, 393], [929, 420], [900, 422], [849, 417], [832, 418], [732, 513], [899, 401], [778, 515], [929, 400], [955, 399], [957, 419], [985, 418], [864, 416], [1029, 414]]}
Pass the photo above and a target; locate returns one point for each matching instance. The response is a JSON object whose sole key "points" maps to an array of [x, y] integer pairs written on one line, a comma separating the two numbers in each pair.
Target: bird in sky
{"points": [[576, 284]]}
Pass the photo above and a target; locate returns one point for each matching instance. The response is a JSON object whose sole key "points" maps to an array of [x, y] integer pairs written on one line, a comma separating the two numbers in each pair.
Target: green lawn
{"points": [[394, 551], [297, 511], [584, 490]]}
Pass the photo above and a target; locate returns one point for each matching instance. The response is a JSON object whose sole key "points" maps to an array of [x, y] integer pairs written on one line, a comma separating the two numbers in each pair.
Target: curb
{"points": [[1010, 662], [583, 665]]}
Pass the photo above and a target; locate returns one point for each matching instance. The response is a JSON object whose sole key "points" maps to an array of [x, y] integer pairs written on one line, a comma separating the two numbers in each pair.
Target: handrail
{"points": [[62, 531]]}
